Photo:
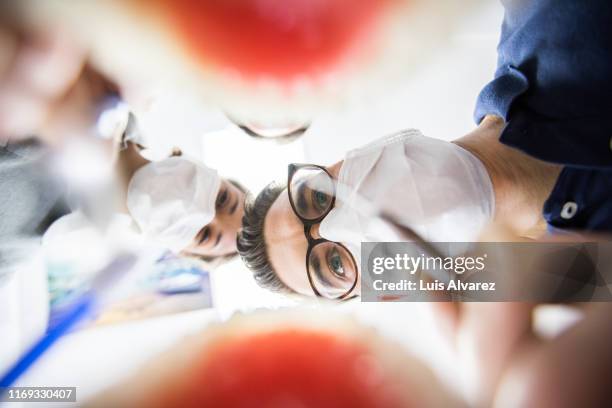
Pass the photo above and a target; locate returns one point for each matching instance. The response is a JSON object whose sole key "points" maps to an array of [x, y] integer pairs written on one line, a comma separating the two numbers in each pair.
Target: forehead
{"points": [[287, 245]]}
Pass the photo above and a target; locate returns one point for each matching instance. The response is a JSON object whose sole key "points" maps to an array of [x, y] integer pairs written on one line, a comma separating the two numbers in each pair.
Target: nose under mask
{"points": [[172, 199], [437, 188]]}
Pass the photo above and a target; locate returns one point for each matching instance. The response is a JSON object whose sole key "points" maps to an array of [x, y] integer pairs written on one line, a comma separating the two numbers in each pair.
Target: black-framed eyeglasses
{"points": [[330, 266]]}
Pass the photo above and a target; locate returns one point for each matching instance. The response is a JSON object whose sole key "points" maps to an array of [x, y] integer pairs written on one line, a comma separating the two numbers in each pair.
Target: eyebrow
{"points": [[301, 202]]}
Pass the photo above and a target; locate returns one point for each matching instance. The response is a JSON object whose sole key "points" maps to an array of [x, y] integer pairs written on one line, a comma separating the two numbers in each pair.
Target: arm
{"points": [[521, 183]]}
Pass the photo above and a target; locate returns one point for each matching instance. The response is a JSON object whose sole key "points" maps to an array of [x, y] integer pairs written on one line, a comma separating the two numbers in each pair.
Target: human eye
{"points": [[203, 235], [222, 198], [320, 200], [335, 264]]}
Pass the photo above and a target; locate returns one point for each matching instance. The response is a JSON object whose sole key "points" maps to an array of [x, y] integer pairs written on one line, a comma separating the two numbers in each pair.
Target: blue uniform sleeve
{"points": [[553, 88], [553, 84]]}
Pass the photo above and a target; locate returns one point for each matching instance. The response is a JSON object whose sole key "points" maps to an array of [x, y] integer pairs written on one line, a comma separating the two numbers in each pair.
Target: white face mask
{"points": [[438, 189], [172, 199]]}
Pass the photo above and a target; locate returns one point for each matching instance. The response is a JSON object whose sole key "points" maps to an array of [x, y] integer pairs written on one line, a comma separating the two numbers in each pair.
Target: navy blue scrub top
{"points": [[553, 87]]}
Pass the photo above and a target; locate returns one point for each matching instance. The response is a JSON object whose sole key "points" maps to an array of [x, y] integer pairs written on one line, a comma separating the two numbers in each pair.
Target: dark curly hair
{"points": [[251, 242]]}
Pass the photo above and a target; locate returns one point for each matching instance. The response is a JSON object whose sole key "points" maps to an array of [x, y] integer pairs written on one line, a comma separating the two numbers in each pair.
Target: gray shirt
{"points": [[30, 199]]}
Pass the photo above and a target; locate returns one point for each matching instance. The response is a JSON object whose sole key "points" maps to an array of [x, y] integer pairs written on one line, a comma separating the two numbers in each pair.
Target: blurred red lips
{"points": [[279, 39]]}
